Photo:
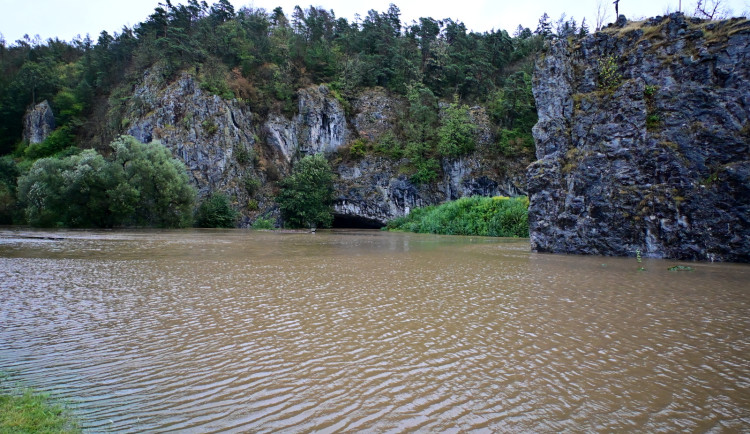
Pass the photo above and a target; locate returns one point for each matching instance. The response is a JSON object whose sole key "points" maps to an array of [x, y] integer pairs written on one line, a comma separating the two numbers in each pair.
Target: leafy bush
{"points": [[8, 174], [389, 146], [262, 223], [456, 132], [141, 185], [609, 78], [215, 212], [58, 140], [252, 184], [515, 142], [306, 195], [483, 216], [358, 148]]}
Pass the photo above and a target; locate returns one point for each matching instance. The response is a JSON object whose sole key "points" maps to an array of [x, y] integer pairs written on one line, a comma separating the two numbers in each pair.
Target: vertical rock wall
{"points": [[38, 123], [651, 153]]}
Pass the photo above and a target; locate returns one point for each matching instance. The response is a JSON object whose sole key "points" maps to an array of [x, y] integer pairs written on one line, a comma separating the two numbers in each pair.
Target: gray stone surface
{"points": [[660, 162], [223, 144], [38, 123]]}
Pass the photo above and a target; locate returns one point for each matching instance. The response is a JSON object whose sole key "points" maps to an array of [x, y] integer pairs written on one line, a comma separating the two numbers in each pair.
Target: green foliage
{"points": [[515, 142], [246, 156], [68, 192], [653, 121], [8, 204], [34, 413], [681, 268], [483, 216], [210, 127], [650, 90], [389, 145], [456, 132], [639, 260], [166, 197], [58, 140], [306, 195], [513, 106], [422, 121], [141, 185], [358, 148], [252, 184], [609, 77], [263, 57], [427, 170], [215, 211], [263, 224]]}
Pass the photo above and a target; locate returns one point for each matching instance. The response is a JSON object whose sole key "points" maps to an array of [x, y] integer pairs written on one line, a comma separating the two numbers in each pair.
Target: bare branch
{"points": [[602, 14]]}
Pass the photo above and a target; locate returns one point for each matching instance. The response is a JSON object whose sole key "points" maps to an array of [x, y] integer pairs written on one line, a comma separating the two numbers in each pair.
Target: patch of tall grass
{"points": [[484, 216], [33, 413]]}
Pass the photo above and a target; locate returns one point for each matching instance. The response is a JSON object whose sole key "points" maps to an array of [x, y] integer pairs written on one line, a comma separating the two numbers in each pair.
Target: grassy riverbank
{"points": [[484, 216], [34, 413]]}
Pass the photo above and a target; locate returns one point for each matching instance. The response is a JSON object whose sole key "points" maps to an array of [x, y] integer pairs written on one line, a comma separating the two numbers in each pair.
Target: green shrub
{"points": [[215, 212], [428, 170], [210, 127], [306, 197], [262, 223], [58, 140], [515, 142], [358, 148], [456, 132], [483, 216], [140, 185], [609, 77], [389, 146], [252, 184]]}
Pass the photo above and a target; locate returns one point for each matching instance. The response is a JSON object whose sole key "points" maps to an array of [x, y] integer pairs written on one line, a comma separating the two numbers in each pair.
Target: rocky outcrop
{"points": [[38, 123], [643, 142], [320, 125], [214, 137], [374, 189], [227, 148]]}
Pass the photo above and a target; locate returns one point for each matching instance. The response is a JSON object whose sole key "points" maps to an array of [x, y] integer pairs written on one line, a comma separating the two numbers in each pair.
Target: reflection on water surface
{"points": [[369, 331]]}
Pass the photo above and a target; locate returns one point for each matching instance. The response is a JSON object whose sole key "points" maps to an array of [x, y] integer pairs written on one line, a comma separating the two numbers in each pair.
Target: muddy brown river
{"points": [[368, 331]]}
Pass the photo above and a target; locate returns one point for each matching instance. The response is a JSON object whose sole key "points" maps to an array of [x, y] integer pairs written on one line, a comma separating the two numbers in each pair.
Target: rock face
{"points": [[320, 125], [643, 142], [372, 190], [226, 148], [213, 137], [38, 123]]}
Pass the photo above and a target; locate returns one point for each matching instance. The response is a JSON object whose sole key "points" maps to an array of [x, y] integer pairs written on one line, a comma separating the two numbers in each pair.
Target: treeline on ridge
{"points": [[262, 58]]}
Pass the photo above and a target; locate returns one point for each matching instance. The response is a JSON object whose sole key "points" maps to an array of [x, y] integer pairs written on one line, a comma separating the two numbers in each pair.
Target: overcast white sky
{"points": [[65, 19]]}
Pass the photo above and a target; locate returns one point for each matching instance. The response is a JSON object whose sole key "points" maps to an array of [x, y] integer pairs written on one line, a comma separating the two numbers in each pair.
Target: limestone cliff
{"points": [[643, 142], [227, 148], [374, 190], [38, 123]]}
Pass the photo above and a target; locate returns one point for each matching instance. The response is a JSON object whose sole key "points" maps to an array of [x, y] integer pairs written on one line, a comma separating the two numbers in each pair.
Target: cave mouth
{"points": [[346, 221]]}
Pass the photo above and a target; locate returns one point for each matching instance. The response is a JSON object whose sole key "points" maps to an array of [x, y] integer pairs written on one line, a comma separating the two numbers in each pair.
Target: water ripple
{"points": [[230, 331]]}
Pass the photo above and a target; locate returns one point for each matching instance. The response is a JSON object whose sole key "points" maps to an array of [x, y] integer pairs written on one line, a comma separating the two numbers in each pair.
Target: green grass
{"points": [[33, 413], [484, 216]]}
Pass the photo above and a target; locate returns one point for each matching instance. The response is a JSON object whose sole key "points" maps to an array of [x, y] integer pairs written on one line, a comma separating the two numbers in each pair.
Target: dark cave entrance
{"points": [[346, 221]]}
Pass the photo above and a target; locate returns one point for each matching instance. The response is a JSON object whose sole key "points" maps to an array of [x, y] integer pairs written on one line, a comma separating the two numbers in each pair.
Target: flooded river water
{"points": [[222, 331]]}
